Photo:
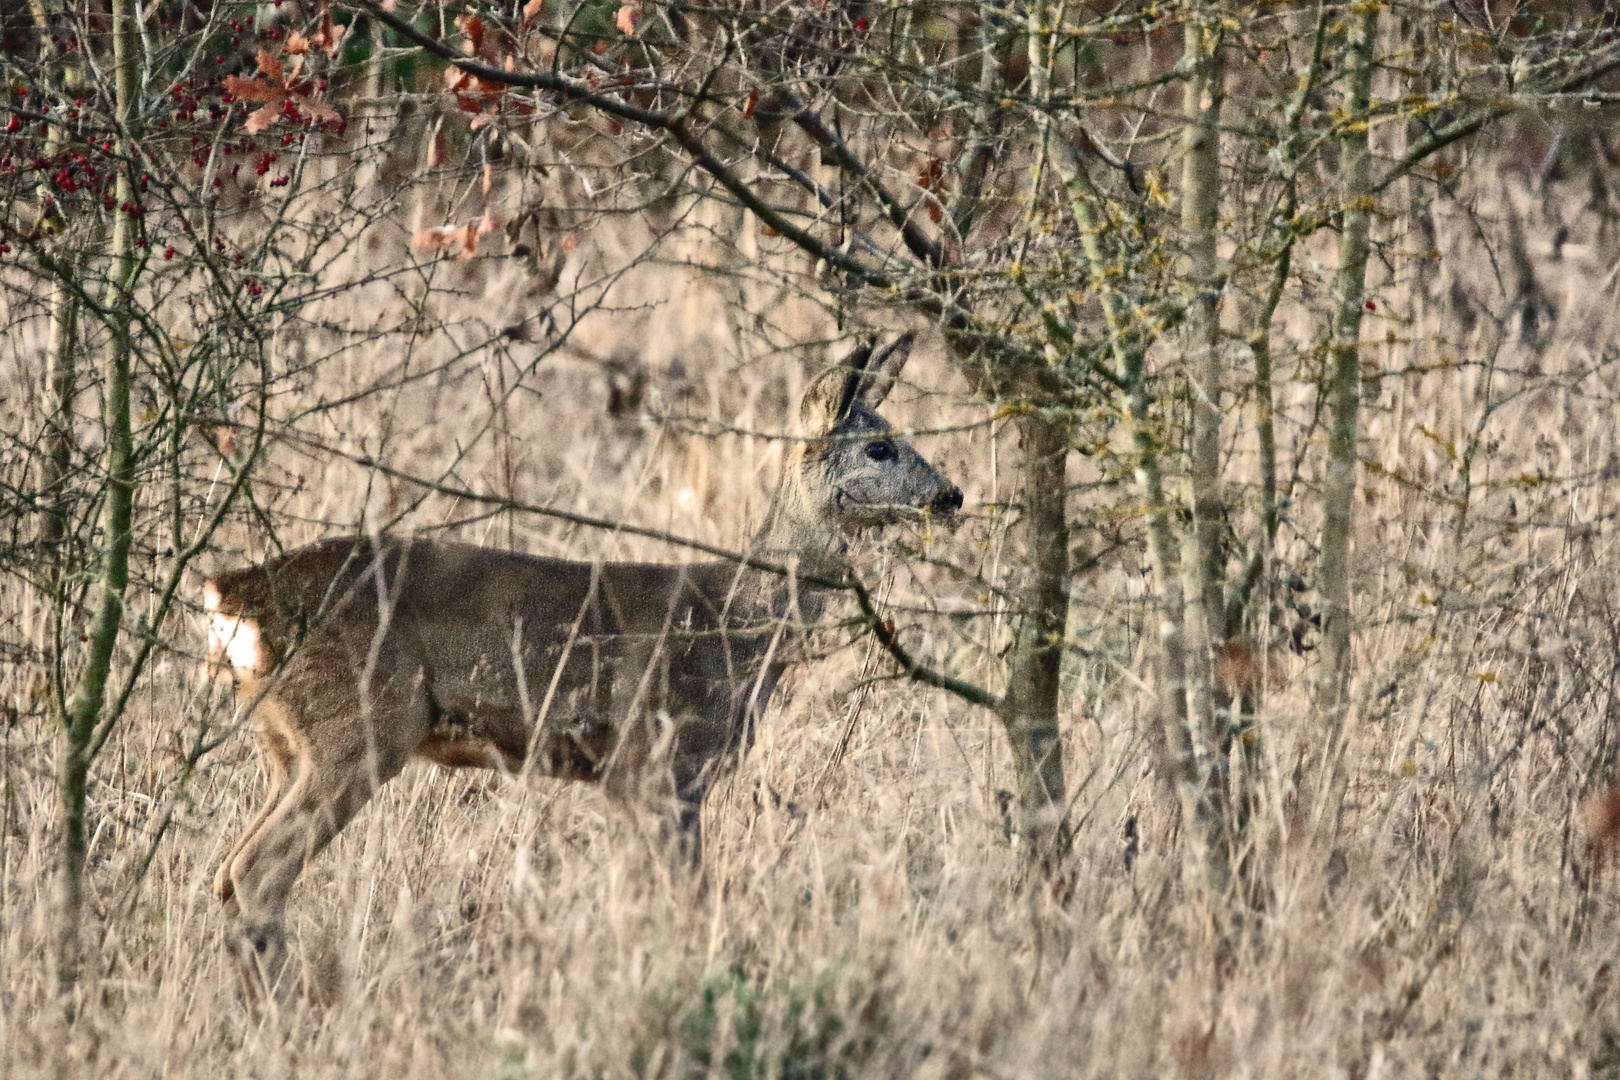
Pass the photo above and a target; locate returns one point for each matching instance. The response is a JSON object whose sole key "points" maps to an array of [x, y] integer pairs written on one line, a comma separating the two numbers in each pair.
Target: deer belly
{"points": [[489, 738], [487, 716]]}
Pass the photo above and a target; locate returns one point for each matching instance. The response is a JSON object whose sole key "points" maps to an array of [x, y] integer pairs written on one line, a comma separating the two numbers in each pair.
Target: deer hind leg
{"points": [[341, 753], [279, 760], [681, 832]]}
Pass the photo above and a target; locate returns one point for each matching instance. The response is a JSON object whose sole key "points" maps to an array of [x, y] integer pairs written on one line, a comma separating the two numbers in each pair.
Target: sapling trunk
{"points": [[1204, 566], [84, 706], [1030, 710], [1343, 390]]}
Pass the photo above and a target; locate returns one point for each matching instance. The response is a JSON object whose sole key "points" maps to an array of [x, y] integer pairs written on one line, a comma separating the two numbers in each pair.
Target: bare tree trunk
{"points": [[1343, 390], [1265, 416], [1180, 765], [85, 706], [981, 35], [1204, 566], [61, 380], [1241, 603], [61, 373], [1030, 711]]}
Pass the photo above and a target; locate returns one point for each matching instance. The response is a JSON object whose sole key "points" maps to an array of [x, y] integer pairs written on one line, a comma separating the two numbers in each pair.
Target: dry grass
{"points": [[870, 918]]}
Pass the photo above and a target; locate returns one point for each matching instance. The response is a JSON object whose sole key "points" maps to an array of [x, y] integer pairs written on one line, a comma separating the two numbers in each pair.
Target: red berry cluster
{"points": [[57, 154]]}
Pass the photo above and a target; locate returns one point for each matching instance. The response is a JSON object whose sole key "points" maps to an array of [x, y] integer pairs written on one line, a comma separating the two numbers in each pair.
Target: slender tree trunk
{"points": [[1343, 390], [1030, 712], [61, 366], [982, 35], [1265, 415], [1279, 245], [1204, 565], [1200, 206], [1181, 763], [85, 706], [61, 373]]}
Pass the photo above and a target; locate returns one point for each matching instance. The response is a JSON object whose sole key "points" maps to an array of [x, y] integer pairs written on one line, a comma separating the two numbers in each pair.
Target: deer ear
{"points": [[865, 375], [832, 392], [881, 369]]}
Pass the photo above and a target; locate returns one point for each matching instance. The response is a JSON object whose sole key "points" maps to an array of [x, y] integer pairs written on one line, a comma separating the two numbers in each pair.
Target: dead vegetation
{"points": [[866, 909], [858, 920]]}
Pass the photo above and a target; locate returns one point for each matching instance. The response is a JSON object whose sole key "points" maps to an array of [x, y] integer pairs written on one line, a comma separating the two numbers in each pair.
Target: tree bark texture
{"points": [[1204, 564], [61, 365], [61, 373], [1030, 710], [1200, 206], [1343, 390]]}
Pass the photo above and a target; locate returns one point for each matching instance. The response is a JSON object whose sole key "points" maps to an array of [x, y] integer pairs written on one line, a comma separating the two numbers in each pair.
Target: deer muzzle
{"points": [[948, 501]]}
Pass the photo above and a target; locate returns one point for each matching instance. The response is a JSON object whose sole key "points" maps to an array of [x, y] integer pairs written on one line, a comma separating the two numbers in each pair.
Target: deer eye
{"points": [[880, 451]]}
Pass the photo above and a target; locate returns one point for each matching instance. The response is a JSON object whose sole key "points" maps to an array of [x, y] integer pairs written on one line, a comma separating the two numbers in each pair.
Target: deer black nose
{"points": [[948, 501]]}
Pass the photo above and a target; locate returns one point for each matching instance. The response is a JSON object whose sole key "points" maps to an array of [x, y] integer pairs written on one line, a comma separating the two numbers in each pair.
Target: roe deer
{"points": [[647, 678]]}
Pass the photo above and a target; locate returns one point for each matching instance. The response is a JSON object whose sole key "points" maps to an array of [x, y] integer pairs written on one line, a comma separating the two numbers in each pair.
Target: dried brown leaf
{"points": [[270, 66], [254, 90], [328, 39], [322, 112], [458, 240], [260, 119], [443, 238], [473, 28]]}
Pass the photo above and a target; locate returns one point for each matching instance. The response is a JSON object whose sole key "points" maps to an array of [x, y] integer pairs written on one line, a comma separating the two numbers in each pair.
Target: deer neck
{"points": [[796, 533]]}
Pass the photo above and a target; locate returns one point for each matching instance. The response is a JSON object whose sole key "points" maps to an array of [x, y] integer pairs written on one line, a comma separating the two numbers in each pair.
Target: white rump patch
{"points": [[231, 638]]}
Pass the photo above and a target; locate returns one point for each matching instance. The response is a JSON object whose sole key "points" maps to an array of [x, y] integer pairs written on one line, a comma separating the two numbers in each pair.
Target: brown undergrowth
{"points": [[864, 910]]}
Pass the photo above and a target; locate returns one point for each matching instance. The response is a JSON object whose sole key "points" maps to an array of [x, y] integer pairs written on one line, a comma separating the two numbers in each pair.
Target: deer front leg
{"points": [[650, 776], [681, 833]]}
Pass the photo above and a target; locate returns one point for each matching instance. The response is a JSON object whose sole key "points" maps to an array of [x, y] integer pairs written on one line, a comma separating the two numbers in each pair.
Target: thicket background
{"points": [[296, 264]]}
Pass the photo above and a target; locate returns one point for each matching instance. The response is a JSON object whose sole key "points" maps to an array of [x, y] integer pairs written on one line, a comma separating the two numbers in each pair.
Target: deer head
{"points": [[856, 473]]}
